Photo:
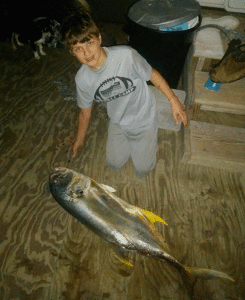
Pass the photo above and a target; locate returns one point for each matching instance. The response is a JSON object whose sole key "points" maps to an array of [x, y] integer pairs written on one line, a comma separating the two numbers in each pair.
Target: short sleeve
{"points": [[141, 66], [84, 100]]}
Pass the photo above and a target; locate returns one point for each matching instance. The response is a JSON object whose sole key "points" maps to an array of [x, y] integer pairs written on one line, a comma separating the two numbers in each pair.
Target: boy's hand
{"points": [[75, 145], [178, 111]]}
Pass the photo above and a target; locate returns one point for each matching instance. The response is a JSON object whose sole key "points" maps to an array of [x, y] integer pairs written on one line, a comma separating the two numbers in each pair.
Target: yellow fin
{"points": [[126, 262], [153, 217]]}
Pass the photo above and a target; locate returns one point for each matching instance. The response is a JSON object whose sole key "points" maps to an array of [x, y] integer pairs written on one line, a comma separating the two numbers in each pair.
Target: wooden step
{"points": [[230, 98], [216, 146]]}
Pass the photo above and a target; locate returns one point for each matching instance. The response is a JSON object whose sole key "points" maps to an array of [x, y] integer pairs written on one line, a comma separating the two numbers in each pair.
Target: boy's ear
{"points": [[100, 38]]}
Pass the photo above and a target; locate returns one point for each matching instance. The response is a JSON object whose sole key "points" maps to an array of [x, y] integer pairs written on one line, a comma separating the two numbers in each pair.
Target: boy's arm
{"points": [[83, 122], [178, 109]]}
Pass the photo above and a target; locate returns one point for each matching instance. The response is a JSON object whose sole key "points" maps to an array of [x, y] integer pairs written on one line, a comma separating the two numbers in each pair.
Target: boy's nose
{"points": [[86, 51]]}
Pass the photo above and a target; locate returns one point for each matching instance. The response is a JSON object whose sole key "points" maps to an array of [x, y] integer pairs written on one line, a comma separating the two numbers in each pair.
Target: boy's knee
{"points": [[114, 164], [144, 169]]}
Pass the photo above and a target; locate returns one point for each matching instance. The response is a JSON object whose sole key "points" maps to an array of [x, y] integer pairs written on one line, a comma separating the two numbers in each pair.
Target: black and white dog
{"points": [[36, 32]]}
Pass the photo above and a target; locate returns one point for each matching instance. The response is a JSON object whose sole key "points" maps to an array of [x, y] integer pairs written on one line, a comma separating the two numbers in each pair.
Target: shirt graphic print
{"points": [[114, 88]]}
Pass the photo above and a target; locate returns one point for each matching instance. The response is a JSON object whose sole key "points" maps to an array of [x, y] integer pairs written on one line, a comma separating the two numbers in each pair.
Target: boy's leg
{"points": [[143, 151], [117, 147]]}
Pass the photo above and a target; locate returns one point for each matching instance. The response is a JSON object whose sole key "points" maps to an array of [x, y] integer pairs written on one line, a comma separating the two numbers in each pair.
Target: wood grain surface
{"points": [[46, 254], [230, 98], [218, 146]]}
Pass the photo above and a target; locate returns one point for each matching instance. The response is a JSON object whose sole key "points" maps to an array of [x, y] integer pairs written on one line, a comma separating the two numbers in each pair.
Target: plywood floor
{"points": [[45, 254]]}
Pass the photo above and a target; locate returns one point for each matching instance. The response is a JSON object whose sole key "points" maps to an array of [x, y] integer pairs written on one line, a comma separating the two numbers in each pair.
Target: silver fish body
{"points": [[126, 228], [95, 206]]}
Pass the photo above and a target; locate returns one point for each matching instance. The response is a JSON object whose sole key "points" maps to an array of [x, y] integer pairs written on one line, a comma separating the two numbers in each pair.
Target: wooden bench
{"points": [[230, 98], [214, 145]]}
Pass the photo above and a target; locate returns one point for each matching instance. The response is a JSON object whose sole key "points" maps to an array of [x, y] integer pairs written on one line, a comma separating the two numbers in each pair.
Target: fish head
{"points": [[66, 184], [59, 181]]}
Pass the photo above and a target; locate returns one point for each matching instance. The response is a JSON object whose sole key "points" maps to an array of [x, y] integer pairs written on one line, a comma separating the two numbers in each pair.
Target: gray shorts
{"points": [[140, 146]]}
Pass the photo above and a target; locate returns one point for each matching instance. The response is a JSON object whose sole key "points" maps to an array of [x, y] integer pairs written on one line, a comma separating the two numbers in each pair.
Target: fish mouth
{"points": [[59, 173], [67, 179], [63, 170], [75, 175], [59, 180]]}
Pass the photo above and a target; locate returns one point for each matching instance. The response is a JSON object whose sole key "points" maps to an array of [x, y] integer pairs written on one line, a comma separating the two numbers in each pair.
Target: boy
{"points": [[117, 76]]}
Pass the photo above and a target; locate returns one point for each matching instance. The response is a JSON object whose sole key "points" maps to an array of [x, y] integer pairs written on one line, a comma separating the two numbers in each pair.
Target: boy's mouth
{"points": [[90, 59]]}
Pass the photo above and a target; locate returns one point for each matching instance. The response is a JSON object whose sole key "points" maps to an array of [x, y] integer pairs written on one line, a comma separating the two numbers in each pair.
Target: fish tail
{"points": [[207, 273], [191, 275]]}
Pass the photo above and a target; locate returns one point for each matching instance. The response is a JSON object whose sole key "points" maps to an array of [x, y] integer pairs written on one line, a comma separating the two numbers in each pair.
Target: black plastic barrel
{"points": [[166, 51]]}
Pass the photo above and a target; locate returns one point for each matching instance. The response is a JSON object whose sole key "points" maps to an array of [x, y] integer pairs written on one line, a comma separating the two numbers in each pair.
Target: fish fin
{"points": [[119, 254], [152, 217], [108, 188], [191, 275], [207, 273]]}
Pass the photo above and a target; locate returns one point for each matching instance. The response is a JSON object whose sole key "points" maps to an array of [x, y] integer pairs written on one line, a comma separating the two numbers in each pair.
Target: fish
{"points": [[124, 227]]}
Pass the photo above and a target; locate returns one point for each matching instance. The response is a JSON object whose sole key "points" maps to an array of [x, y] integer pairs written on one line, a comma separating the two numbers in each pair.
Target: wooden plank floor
{"points": [[46, 254]]}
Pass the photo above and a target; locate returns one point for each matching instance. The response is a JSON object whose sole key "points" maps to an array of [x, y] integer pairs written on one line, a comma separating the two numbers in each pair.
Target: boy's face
{"points": [[90, 53]]}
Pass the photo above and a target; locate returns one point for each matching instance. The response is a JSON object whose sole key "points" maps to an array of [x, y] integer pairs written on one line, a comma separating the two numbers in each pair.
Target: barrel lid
{"points": [[159, 14]]}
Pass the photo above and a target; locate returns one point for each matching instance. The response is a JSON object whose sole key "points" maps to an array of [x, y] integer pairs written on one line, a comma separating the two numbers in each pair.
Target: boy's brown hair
{"points": [[78, 27]]}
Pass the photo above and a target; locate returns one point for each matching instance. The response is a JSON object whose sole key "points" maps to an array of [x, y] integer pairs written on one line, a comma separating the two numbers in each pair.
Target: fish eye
{"points": [[79, 191]]}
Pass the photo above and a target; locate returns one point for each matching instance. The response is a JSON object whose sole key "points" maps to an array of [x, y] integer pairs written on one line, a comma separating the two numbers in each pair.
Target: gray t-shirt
{"points": [[121, 84]]}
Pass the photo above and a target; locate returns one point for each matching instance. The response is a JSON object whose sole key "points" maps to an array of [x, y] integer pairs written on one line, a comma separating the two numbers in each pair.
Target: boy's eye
{"points": [[78, 49]]}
